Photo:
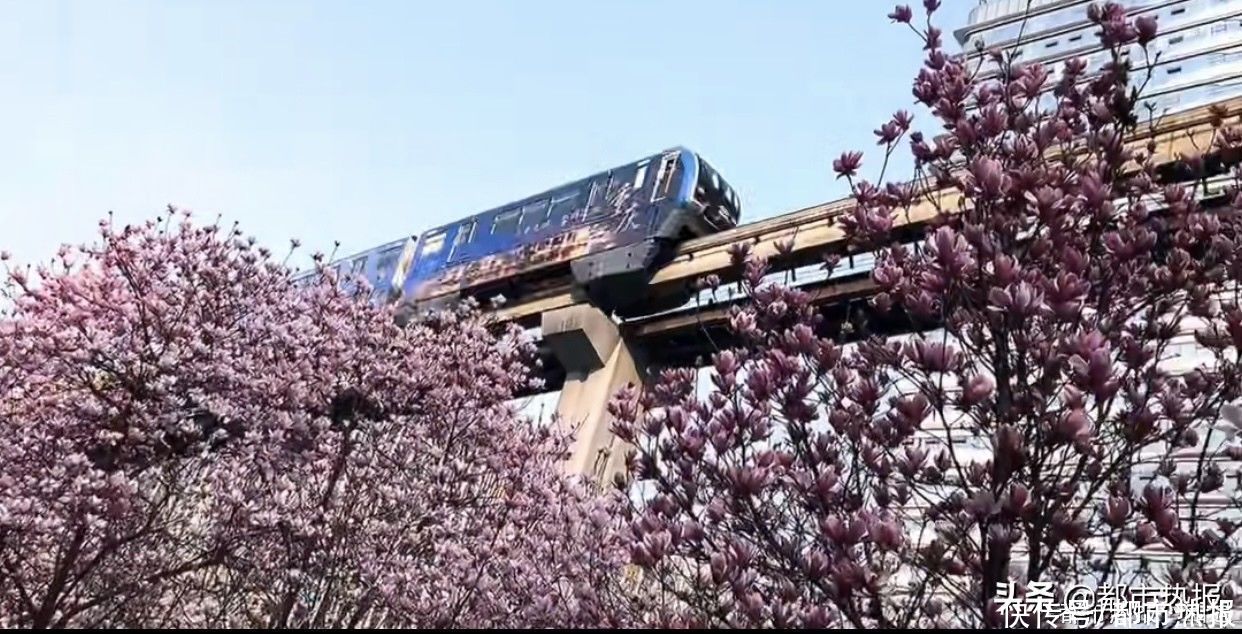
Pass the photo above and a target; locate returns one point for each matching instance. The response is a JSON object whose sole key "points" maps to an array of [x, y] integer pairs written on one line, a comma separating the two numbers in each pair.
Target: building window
{"points": [[1076, 38], [1176, 40], [1174, 70], [1219, 28], [1051, 44], [1178, 11]]}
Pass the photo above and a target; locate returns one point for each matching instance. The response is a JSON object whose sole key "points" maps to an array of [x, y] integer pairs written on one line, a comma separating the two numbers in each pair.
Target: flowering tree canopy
{"points": [[1031, 427], [188, 439]]}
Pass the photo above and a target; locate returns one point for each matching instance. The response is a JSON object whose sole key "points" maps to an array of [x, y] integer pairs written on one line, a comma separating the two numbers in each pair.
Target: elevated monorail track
{"points": [[683, 335]]}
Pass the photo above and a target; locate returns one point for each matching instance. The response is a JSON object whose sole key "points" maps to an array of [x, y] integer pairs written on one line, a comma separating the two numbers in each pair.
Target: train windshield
{"points": [[716, 193]]}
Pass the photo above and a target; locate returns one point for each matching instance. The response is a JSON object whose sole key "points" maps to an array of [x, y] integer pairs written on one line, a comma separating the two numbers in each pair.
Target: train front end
{"points": [[714, 199]]}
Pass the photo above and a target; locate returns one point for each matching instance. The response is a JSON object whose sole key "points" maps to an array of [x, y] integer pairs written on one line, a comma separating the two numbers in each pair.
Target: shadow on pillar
{"points": [[598, 362]]}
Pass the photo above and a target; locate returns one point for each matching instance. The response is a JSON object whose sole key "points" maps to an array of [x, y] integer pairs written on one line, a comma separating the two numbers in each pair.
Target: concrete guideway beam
{"points": [[598, 362]]}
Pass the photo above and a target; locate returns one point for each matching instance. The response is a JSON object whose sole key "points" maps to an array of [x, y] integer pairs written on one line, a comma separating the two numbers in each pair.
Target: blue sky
{"points": [[366, 121]]}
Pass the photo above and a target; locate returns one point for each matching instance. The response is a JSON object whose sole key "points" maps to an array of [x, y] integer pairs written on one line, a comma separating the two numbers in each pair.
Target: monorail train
{"points": [[610, 231], [383, 268]]}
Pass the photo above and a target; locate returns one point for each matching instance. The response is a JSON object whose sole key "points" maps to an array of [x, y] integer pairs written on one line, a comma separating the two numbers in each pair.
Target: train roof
{"points": [[551, 190]]}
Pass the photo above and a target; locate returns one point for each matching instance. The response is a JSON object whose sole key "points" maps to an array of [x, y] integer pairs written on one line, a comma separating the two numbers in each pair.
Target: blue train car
{"points": [[383, 267], [611, 230]]}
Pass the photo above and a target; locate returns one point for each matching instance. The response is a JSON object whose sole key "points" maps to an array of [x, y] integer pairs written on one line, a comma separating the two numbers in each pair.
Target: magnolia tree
{"points": [[1030, 436], [188, 439]]}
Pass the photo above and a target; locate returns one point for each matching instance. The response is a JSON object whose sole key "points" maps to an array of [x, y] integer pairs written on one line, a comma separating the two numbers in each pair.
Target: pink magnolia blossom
{"points": [[1021, 433], [190, 440]]}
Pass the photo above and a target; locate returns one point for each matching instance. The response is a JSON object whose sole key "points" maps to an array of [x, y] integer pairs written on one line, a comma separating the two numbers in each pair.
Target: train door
{"points": [[598, 206], [352, 272], [505, 230], [432, 254], [462, 240], [627, 204], [535, 217], [664, 188], [566, 205], [381, 273], [621, 187], [667, 178], [405, 264]]}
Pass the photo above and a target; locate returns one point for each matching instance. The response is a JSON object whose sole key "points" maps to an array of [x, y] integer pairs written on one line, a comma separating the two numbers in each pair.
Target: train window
{"points": [[599, 191], [534, 216], [433, 245], [621, 188], [564, 204], [664, 179], [465, 233], [406, 261], [386, 264], [506, 222], [640, 175], [709, 179]]}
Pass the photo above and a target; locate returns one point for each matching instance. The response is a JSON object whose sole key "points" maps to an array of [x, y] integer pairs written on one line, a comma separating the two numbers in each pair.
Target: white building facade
{"points": [[1195, 60]]}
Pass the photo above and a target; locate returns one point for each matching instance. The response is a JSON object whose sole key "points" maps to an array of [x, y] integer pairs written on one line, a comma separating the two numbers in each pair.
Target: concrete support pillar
{"points": [[598, 362]]}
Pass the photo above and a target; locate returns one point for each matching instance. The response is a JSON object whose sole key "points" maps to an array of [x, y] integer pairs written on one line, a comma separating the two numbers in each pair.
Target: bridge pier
{"points": [[598, 361]]}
